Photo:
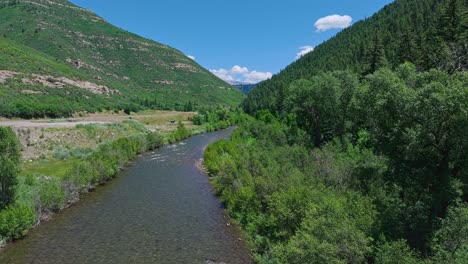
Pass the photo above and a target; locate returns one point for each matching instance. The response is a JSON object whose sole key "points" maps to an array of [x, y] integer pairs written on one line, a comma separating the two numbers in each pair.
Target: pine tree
{"points": [[375, 55], [449, 21], [407, 49]]}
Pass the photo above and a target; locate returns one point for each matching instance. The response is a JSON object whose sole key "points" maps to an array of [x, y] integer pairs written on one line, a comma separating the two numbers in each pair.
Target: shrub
{"points": [[154, 140], [61, 154], [15, 221], [51, 194], [80, 153]]}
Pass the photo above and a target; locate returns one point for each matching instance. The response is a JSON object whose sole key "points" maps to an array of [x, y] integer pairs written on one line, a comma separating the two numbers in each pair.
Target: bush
{"points": [[51, 194], [331, 231], [198, 120], [289, 212], [104, 163], [15, 221], [80, 153], [154, 140], [182, 132], [61, 154], [82, 174]]}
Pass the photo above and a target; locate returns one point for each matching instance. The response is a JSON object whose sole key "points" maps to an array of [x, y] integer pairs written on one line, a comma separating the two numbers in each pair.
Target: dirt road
{"points": [[155, 117], [47, 123]]}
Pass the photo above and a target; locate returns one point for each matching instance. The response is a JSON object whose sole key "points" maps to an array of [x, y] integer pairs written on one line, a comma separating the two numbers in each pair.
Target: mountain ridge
{"points": [[428, 33], [146, 73]]}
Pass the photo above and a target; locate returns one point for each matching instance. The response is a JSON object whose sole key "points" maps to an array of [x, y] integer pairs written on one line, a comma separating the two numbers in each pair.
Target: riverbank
{"points": [[71, 161], [159, 209]]}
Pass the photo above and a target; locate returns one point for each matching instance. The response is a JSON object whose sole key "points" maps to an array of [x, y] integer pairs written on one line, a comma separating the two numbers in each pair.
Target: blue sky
{"points": [[258, 36]]}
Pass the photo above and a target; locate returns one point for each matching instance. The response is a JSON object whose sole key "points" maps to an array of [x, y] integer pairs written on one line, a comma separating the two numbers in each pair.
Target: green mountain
{"points": [[428, 33], [245, 88], [57, 58]]}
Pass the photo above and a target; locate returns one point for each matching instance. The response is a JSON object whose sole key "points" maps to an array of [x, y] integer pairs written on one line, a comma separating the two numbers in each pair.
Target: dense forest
{"points": [[428, 33], [245, 88], [357, 171], [358, 157]]}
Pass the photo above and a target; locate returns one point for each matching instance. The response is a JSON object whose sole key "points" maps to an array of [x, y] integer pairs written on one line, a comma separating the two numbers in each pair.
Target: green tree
{"points": [[419, 122], [450, 20], [395, 253], [408, 48], [322, 104], [9, 165], [450, 243], [375, 58], [334, 231]]}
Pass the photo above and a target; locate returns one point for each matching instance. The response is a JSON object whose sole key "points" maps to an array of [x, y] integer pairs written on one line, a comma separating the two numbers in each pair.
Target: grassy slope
{"points": [[18, 58], [139, 68]]}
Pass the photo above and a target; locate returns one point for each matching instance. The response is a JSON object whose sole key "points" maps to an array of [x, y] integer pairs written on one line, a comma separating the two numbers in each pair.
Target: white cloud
{"points": [[303, 51], [239, 70], [333, 22], [239, 74], [224, 75], [256, 77], [191, 57]]}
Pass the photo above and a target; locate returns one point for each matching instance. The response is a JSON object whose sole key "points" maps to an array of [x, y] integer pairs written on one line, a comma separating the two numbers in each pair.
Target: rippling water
{"points": [[161, 209]]}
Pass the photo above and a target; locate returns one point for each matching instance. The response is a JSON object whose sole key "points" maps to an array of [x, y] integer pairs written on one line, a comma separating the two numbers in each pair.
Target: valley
{"points": [[117, 148]]}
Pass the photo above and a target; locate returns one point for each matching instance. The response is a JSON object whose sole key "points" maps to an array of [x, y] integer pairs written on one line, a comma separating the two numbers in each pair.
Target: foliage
{"points": [[51, 194], [428, 33], [418, 121], [287, 210], [450, 243], [350, 120], [353, 170], [330, 233], [395, 252], [104, 163], [322, 104], [216, 118], [9, 165], [15, 221], [179, 134]]}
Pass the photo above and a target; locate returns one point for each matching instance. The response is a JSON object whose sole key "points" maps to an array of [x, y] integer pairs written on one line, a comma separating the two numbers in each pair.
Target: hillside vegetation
{"points": [[427, 33], [353, 157], [378, 165], [57, 58], [245, 88]]}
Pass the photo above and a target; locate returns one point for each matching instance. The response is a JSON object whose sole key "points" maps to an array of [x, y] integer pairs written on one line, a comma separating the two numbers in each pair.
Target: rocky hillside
{"points": [[57, 58]]}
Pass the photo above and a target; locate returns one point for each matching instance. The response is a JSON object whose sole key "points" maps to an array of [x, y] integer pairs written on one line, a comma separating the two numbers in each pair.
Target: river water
{"points": [[161, 209]]}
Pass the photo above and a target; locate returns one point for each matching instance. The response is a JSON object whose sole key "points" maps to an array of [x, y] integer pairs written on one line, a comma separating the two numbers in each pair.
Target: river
{"points": [[160, 209]]}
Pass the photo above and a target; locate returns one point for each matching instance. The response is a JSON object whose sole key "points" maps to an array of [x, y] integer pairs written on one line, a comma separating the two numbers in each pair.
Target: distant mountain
{"points": [[428, 33], [245, 88], [57, 58]]}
